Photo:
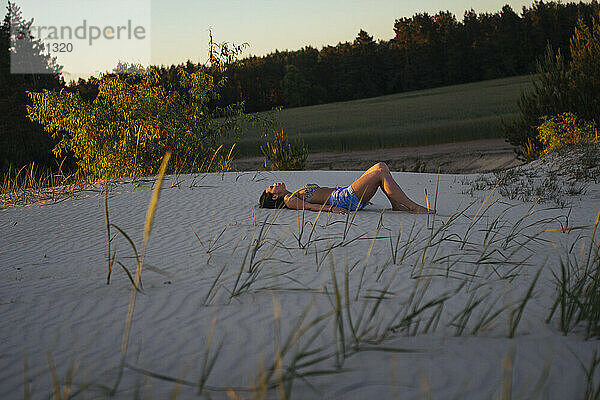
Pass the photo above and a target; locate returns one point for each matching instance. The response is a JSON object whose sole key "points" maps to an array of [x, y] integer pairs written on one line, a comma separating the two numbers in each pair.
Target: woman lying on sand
{"points": [[342, 199]]}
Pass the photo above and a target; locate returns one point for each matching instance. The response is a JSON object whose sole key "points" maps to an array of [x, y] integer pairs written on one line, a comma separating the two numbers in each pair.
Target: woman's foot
{"points": [[416, 209], [420, 210]]}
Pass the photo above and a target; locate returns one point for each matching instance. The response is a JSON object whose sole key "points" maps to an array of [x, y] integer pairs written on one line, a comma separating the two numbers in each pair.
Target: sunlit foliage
{"points": [[564, 129], [135, 118]]}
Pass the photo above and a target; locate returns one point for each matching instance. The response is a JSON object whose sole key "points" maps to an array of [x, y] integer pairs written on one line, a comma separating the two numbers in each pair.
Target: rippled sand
{"points": [[263, 279]]}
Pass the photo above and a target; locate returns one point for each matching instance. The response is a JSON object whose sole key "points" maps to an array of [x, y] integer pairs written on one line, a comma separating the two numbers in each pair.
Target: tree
{"points": [[364, 72], [548, 96], [296, 90], [559, 87], [446, 47], [416, 38], [585, 70], [510, 38], [22, 141], [27, 52]]}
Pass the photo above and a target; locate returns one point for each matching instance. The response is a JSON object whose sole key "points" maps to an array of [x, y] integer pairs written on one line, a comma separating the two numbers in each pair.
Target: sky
{"points": [[175, 31]]}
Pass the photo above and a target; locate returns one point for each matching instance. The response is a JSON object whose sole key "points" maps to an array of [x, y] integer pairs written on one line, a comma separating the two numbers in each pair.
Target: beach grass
{"points": [[366, 330], [140, 262], [32, 183], [577, 286]]}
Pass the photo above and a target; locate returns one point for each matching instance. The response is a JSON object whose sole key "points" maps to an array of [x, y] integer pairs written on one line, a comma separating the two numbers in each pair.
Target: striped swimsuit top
{"points": [[309, 190]]}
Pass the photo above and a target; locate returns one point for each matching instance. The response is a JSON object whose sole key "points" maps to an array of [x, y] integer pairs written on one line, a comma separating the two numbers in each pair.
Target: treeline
{"points": [[426, 51]]}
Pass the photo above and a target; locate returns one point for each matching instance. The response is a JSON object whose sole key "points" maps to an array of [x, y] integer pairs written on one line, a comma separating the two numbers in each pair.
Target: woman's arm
{"points": [[295, 203]]}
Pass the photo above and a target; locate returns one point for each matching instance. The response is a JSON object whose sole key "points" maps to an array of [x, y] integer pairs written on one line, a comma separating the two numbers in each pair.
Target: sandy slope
{"points": [[54, 300]]}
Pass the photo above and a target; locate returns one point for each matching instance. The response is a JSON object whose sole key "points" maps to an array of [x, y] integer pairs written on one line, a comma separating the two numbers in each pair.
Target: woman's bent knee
{"points": [[381, 166]]}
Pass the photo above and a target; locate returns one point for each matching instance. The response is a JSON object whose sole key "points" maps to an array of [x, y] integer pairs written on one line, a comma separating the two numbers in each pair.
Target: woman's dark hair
{"points": [[266, 201]]}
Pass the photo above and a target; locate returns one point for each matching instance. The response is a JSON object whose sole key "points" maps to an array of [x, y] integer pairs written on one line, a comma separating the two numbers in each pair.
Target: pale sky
{"points": [[177, 30]]}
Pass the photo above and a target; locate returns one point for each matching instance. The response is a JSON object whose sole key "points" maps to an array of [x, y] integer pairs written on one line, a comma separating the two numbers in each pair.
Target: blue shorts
{"points": [[345, 197]]}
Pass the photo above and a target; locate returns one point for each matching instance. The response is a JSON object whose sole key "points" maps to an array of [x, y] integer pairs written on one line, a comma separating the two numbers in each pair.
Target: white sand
{"points": [[54, 299]]}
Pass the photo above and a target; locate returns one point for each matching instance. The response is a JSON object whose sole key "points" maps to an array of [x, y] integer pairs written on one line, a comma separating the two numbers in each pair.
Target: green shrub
{"points": [[560, 86], [283, 154], [135, 118], [564, 129], [134, 121]]}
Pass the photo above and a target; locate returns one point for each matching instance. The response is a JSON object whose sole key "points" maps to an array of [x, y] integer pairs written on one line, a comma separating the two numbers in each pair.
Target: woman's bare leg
{"points": [[379, 176]]}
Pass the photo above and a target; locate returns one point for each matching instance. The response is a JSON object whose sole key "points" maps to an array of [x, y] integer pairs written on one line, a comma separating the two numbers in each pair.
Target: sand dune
{"points": [[426, 302]]}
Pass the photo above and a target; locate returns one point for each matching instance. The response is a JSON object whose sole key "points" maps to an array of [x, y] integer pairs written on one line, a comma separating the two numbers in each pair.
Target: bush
{"points": [[134, 121], [283, 154], [558, 87], [564, 129]]}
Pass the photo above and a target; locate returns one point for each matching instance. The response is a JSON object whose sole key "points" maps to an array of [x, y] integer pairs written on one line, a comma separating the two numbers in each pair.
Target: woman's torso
{"points": [[312, 193]]}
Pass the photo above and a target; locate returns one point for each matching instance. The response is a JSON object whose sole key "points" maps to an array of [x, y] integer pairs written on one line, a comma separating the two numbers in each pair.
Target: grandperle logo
{"points": [[91, 33], [57, 41]]}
